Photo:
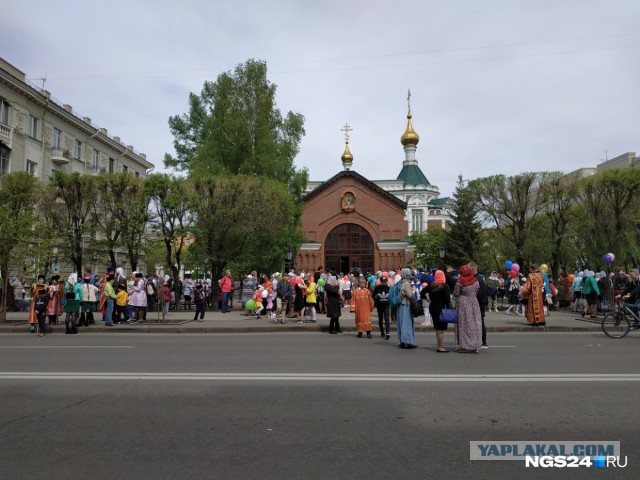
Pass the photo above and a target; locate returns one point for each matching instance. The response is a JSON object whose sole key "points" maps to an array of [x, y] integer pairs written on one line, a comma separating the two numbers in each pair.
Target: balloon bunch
{"points": [[512, 268], [609, 258]]}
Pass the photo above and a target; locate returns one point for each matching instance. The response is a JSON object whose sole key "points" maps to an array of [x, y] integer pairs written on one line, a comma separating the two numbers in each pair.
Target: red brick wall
{"points": [[379, 215]]}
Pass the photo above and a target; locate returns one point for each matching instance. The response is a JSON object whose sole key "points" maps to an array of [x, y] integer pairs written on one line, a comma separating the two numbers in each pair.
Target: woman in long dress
{"points": [[332, 291], [469, 329], [406, 332], [440, 297], [55, 293], [533, 290]]}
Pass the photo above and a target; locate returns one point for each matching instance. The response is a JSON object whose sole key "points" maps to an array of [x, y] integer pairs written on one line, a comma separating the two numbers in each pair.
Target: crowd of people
{"points": [[397, 297], [302, 296], [120, 299]]}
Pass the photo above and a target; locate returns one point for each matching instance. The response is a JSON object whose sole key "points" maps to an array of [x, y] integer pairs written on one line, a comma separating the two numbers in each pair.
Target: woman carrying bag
{"points": [[440, 297], [406, 332]]}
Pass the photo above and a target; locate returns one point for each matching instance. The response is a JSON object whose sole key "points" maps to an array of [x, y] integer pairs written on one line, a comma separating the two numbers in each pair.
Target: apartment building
{"points": [[39, 134]]}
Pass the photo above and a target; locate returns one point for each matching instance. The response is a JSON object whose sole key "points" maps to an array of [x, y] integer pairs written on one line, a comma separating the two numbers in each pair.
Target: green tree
{"points": [[18, 197], [464, 237], [112, 208], [426, 246], [240, 217], [509, 204], [234, 127], [560, 192], [171, 203], [608, 198], [133, 224], [75, 194]]}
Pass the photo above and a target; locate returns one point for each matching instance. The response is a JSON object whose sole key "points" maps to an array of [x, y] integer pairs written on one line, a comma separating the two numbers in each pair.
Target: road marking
{"points": [[323, 377], [65, 346]]}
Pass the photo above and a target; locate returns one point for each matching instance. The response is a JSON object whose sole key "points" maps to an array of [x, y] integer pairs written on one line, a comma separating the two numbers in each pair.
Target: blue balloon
{"points": [[508, 264]]}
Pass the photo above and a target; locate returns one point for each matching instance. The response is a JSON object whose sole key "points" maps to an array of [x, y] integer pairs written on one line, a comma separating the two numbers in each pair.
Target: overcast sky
{"points": [[498, 86]]}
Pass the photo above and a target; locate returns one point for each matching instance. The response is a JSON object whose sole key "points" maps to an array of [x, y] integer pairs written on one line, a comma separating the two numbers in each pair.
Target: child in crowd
{"points": [[122, 297], [514, 296], [257, 298], [271, 302]]}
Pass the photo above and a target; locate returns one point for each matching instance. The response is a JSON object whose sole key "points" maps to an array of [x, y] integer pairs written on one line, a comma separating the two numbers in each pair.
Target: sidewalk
{"points": [[236, 322]]}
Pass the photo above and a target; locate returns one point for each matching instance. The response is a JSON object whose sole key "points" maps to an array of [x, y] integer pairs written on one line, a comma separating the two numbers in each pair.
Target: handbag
{"points": [[416, 308], [449, 315]]}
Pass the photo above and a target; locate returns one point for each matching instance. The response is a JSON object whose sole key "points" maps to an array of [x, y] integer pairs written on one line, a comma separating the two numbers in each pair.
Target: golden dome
{"points": [[346, 156], [409, 138]]}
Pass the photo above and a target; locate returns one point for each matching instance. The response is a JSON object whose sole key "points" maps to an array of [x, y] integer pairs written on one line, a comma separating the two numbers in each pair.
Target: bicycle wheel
{"points": [[616, 324]]}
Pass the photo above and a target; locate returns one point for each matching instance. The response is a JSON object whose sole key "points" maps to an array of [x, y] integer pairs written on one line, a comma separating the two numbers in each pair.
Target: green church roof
{"points": [[412, 175], [440, 201]]}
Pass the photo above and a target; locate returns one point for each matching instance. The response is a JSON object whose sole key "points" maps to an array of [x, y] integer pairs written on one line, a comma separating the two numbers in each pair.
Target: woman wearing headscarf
{"points": [[469, 329], [577, 293], [138, 297], [73, 297], [406, 332], [249, 286], [440, 297], [54, 307], [332, 291], [533, 290], [590, 292]]}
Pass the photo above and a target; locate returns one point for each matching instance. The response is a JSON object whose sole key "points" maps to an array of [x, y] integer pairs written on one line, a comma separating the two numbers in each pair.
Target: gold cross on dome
{"points": [[346, 129]]}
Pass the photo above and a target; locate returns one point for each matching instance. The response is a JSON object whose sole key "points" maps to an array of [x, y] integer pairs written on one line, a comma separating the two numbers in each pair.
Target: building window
{"points": [[56, 140], [4, 160], [95, 157], [32, 167], [32, 127], [417, 221], [4, 111], [111, 164], [137, 174], [77, 150], [125, 168]]}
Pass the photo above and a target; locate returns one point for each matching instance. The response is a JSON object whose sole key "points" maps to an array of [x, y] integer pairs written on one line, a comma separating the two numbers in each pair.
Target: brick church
{"points": [[351, 222]]}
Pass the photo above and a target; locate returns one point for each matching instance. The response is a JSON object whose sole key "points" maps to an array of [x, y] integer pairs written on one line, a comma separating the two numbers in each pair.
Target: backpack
{"points": [[150, 290], [69, 293], [395, 294]]}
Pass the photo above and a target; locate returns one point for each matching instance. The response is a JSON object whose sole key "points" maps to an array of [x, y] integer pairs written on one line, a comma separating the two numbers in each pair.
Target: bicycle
{"points": [[618, 324]]}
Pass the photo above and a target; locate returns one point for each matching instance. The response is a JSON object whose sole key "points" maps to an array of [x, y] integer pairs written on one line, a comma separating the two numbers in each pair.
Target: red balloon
{"points": [[513, 274]]}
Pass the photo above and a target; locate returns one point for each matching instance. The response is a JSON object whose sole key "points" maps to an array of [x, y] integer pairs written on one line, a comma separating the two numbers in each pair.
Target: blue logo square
{"points": [[599, 462]]}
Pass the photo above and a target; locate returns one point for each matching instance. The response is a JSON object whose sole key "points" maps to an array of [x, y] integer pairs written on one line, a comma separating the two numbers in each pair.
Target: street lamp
{"points": [[287, 265], [442, 251]]}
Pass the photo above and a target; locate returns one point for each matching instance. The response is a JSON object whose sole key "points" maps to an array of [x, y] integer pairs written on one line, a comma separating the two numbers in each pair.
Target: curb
{"points": [[173, 329]]}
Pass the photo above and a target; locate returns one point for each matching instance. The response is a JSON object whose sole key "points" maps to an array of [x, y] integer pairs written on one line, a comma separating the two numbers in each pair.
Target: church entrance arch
{"points": [[349, 246]]}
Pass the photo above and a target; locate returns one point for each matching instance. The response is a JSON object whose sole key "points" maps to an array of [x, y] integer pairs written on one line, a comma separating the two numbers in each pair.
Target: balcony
{"points": [[60, 156], [6, 134]]}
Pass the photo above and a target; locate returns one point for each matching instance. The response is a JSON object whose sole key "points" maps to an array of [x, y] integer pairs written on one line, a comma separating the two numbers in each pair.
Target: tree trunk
{"points": [[216, 274], [3, 299], [112, 258], [133, 259]]}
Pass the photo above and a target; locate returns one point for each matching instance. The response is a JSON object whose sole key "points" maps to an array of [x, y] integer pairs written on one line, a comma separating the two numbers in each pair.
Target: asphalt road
{"points": [[306, 405]]}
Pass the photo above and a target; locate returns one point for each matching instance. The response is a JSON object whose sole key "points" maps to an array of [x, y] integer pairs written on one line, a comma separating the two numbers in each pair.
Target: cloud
{"points": [[497, 86]]}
